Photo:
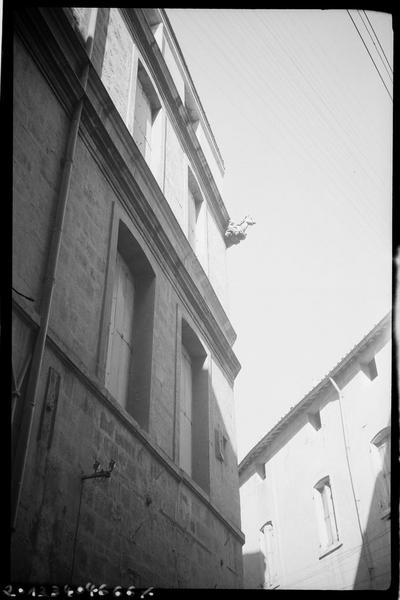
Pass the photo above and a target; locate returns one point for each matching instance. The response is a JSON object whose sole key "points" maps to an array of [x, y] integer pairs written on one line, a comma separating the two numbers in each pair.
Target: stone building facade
{"points": [[315, 491], [124, 453]]}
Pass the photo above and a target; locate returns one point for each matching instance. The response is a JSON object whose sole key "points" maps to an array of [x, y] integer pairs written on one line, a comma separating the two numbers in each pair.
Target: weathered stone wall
{"points": [[39, 135], [175, 164], [142, 526], [148, 524]]}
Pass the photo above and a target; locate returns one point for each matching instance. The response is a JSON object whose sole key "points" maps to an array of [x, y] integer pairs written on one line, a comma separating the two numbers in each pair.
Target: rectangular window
{"points": [[193, 403], [381, 448], [197, 224], [147, 122], [325, 513], [142, 121], [185, 461], [192, 219], [130, 338], [119, 359], [133, 93]]}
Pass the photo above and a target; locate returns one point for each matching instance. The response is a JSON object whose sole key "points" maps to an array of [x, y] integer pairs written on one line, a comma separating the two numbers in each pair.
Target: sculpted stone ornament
{"points": [[236, 232]]}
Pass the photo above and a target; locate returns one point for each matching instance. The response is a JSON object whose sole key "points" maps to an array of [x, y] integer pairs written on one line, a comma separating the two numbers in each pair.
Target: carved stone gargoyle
{"points": [[236, 232]]}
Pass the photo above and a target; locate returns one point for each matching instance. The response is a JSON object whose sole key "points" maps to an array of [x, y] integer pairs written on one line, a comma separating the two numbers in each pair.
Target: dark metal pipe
{"points": [[49, 283]]}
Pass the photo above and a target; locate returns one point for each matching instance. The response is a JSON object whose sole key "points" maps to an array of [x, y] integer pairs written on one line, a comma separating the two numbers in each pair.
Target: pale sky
{"points": [[304, 124]]}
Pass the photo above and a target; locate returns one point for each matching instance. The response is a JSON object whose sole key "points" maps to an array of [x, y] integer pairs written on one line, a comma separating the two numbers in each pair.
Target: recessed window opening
{"points": [[326, 513], [269, 549], [197, 220], [195, 201], [147, 123], [193, 409], [381, 448], [128, 369]]}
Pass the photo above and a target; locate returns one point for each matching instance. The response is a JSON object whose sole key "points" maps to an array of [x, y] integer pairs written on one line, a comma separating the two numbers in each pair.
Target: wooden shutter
{"points": [[119, 360], [142, 121], [191, 220], [186, 399]]}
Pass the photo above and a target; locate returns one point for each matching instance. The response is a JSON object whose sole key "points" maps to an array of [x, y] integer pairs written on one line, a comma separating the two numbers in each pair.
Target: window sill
{"points": [[330, 549]]}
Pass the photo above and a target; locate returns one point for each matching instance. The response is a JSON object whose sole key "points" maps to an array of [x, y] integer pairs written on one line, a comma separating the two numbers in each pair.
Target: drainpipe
{"points": [[368, 557], [50, 279]]}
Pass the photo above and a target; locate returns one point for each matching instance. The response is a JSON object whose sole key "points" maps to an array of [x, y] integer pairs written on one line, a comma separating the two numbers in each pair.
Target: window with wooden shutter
{"points": [[197, 221], [128, 362], [185, 447], [142, 121], [193, 409], [192, 220], [119, 360], [148, 121]]}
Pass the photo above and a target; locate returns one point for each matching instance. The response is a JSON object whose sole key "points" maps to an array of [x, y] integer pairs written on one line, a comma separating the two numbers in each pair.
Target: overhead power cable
{"points": [[389, 72], [377, 39], [366, 47]]}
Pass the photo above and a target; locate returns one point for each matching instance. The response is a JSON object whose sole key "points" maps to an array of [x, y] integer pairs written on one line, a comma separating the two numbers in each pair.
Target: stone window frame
{"points": [[197, 219], [201, 394], [123, 239], [326, 517], [140, 72], [269, 547], [381, 445]]}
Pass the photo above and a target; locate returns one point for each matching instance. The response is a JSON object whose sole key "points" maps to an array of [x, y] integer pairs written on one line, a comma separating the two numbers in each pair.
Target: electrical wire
{"points": [[332, 85], [258, 88], [369, 53], [377, 39], [316, 91], [322, 149], [372, 39]]}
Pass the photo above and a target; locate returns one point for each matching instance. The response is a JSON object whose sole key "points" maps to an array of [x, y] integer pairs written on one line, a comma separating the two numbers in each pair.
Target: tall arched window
{"points": [[381, 456], [326, 517], [269, 548]]}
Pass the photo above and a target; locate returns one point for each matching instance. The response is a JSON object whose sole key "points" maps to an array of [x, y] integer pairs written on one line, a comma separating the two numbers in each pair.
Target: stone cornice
{"points": [[116, 152]]}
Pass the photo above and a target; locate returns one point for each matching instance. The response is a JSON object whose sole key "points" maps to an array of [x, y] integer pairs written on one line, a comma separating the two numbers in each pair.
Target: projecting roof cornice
{"points": [[359, 358]]}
